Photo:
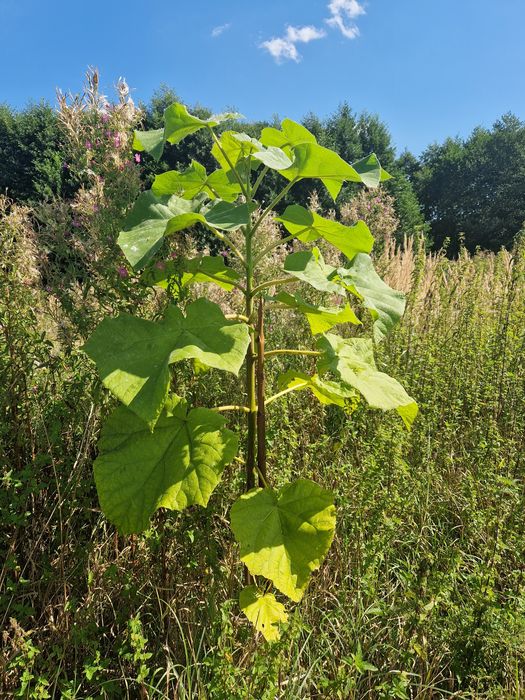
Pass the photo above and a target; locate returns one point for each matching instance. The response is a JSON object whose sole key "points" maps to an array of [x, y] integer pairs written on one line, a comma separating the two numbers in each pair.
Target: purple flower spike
{"points": [[122, 272], [89, 145]]}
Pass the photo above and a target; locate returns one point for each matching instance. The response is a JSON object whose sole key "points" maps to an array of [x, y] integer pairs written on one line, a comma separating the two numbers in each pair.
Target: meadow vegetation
{"points": [[422, 594]]}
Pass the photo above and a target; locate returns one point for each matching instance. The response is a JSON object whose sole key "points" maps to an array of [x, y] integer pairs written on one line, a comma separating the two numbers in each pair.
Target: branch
{"points": [[286, 351], [244, 409], [274, 283]]}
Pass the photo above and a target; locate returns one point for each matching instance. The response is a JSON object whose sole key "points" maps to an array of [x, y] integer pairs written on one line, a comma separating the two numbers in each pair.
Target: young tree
{"points": [[156, 451]]}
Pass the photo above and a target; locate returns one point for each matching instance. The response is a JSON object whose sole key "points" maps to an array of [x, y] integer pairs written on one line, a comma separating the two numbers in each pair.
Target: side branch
{"points": [[233, 407], [274, 283], [286, 351]]}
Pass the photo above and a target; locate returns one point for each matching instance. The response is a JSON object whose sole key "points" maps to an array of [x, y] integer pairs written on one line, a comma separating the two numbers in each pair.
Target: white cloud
{"points": [[217, 31], [341, 11], [284, 48]]}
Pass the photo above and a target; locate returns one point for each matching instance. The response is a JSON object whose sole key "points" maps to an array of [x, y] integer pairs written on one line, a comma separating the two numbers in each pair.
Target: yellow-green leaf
{"points": [[263, 611]]}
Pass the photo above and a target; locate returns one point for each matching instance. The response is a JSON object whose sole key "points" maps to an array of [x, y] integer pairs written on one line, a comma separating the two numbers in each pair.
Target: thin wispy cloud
{"points": [[343, 14], [217, 31], [284, 48]]}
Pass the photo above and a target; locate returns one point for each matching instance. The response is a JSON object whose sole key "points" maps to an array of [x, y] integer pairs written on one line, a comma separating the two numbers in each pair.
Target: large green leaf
{"points": [[274, 158], [194, 180], [177, 465], [233, 147], [263, 611], [326, 391], [284, 535], [386, 305], [309, 266], [154, 217], [132, 355], [291, 134], [146, 224], [320, 318], [371, 171], [314, 161], [183, 272], [352, 361], [150, 141], [179, 123], [227, 216], [309, 226]]}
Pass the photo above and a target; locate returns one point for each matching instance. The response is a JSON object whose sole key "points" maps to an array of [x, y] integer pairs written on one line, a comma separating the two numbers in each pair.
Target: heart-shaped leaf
{"points": [[309, 226], [177, 465], [284, 535], [310, 267], [352, 361], [133, 355]]}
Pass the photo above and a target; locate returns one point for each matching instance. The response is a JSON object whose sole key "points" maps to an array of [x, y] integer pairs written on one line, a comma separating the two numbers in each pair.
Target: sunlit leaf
{"points": [[320, 318], [309, 266], [133, 355], [146, 224], [352, 361], [309, 226], [314, 161], [234, 147], [194, 180], [291, 134], [371, 171], [284, 535], [179, 123], [386, 305], [154, 217], [177, 465], [263, 611], [274, 158], [150, 141], [326, 391]]}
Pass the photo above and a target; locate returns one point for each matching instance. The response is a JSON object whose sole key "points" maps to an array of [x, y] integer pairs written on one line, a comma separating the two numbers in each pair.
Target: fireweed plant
{"points": [[155, 451]]}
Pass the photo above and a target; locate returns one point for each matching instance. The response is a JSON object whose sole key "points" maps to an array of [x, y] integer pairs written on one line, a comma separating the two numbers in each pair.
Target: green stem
{"points": [[238, 317], [260, 178], [286, 351], [274, 283], [278, 396], [226, 239], [268, 250], [233, 407], [274, 203]]}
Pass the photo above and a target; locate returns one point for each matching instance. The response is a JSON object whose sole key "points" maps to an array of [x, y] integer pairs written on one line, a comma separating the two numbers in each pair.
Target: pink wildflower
{"points": [[137, 157], [89, 145], [117, 141]]}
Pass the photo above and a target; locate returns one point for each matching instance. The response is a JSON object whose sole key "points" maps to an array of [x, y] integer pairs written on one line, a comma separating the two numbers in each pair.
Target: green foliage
{"points": [[473, 187], [263, 611], [133, 355], [156, 454], [32, 154], [176, 465]]}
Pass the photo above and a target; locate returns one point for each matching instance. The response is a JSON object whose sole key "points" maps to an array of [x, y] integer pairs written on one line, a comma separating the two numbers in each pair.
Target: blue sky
{"points": [[429, 69]]}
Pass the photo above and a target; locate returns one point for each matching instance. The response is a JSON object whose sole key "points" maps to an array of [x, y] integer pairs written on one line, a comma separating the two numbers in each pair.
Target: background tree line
{"points": [[464, 190]]}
